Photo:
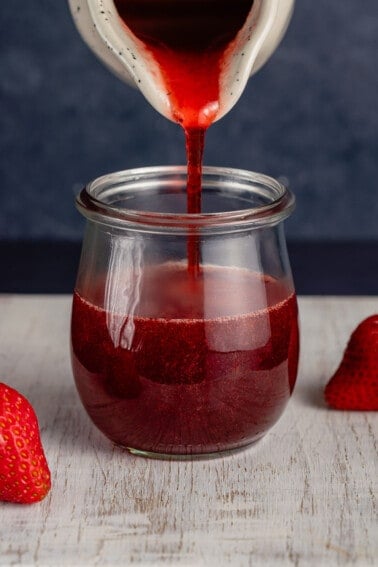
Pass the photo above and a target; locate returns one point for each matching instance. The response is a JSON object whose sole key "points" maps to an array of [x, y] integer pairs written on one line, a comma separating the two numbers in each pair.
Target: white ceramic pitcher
{"points": [[102, 29]]}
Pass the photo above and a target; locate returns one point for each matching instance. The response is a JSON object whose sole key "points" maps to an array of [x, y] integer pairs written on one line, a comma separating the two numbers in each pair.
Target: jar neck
{"points": [[154, 199]]}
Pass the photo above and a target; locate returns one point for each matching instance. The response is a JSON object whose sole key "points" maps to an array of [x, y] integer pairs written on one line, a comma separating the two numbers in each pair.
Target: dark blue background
{"points": [[310, 116]]}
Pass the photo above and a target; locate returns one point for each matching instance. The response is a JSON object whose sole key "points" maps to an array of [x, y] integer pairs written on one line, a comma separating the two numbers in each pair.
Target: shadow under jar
{"points": [[184, 327]]}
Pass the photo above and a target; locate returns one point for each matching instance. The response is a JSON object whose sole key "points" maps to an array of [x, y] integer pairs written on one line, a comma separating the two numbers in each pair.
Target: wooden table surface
{"points": [[305, 495]]}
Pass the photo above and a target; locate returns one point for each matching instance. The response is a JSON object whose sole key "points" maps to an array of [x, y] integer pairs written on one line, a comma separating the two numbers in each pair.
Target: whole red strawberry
{"points": [[24, 473], [354, 386]]}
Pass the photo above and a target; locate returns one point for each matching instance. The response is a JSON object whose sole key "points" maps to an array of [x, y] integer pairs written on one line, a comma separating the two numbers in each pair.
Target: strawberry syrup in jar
{"points": [[184, 322], [170, 364]]}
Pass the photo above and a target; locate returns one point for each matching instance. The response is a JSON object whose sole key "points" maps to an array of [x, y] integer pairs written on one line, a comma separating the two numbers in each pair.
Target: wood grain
{"points": [[305, 495]]}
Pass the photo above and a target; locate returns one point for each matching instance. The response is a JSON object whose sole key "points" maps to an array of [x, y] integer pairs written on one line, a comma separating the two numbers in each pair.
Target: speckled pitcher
{"points": [[102, 29]]}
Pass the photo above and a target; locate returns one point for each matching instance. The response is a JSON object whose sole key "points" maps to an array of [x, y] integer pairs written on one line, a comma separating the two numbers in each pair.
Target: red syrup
{"points": [[188, 39], [195, 369]]}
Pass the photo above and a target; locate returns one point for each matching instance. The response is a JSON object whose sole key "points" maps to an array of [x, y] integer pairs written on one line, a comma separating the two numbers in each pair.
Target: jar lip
{"points": [[280, 207]]}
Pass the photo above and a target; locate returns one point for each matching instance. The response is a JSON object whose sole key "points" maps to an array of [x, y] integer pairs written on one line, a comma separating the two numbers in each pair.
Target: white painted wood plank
{"points": [[305, 495]]}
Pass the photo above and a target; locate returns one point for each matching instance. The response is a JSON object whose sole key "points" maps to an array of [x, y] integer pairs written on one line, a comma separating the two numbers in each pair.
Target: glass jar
{"points": [[184, 327]]}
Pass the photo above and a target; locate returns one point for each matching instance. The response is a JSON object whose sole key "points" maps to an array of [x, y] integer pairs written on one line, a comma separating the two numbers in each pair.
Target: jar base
{"points": [[191, 456]]}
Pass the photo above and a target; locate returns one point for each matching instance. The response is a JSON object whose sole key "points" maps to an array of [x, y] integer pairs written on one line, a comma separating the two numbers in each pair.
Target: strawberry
{"points": [[354, 386], [24, 473]]}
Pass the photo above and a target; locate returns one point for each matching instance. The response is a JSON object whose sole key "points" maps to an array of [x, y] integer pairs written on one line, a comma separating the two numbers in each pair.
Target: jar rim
{"points": [[91, 204]]}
